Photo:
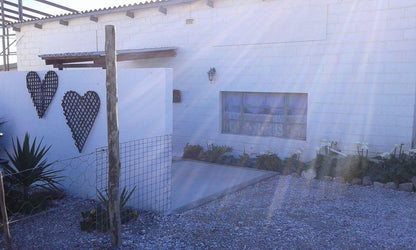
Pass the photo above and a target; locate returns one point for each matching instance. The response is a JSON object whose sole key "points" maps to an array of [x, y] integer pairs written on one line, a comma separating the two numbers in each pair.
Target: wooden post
{"points": [[113, 137], [7, 237]]}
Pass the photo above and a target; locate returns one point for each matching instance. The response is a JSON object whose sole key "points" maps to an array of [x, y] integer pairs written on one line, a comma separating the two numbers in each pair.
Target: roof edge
{"points": [[105, 11]]}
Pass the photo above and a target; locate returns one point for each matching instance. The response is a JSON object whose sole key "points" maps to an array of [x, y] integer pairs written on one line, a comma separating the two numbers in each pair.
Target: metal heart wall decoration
{"points": [[42, 91], [80, 113]]}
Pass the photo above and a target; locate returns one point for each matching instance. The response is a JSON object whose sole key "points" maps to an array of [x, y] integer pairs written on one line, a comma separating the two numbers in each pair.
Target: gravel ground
{"points": [[283, 212]]}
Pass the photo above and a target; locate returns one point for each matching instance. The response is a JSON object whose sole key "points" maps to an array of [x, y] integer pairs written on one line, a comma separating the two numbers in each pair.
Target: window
{"points": [[265, 114]]}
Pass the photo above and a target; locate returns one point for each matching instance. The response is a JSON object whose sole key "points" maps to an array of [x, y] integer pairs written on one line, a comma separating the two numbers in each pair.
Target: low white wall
{"points": [[145, 110]]}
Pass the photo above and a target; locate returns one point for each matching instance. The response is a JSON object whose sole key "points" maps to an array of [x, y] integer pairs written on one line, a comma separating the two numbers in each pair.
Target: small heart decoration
{"points": [[42, 91], [80, 113]]}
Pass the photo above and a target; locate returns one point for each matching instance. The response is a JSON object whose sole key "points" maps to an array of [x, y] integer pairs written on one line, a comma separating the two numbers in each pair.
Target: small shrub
{"points": [[397, 169], [325, 165], [98, 218], [29, 167], [192, 151], [35, 202], [268, 161], [214, 153], [354, 166], [244, 160], [292, 165], [226, 159]]}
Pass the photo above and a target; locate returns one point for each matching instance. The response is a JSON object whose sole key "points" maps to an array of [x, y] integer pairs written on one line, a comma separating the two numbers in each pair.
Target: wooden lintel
{"points": [[100, 61], [130, 14], [94, 19], [210, 3], [62, 60], [163, 10], [63, 22], [77, 65], [38, 25], [146, 55], [16, 29]]}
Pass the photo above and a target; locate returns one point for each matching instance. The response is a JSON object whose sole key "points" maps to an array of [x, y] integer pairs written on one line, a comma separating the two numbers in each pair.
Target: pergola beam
{"points": [[11, 17], [17, 13], [57, 5], [27, 8]]}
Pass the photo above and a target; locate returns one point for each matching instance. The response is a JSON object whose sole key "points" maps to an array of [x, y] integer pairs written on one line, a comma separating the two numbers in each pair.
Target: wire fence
{"points": [[145, 172], [145, 168]]}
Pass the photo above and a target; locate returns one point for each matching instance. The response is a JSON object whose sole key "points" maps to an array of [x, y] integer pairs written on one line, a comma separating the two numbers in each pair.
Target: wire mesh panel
{"points": [[146, 168]]}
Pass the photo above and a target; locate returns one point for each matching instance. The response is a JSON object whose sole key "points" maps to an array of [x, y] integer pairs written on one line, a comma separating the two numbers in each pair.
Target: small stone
{"points": [[296, 175], [408, 187], [378, 184], [328, 178], [356, 181], [414, 181], [391, 185], [309, 174], [367, 181], [339, 179]]}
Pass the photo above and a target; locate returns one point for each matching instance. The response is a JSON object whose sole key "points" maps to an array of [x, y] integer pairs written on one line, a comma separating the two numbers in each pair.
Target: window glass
{"points": [[265, 114]]}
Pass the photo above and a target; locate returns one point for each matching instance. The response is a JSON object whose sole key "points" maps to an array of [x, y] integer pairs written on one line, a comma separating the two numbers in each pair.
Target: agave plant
{"points": [[124, 197], [29, 168]]}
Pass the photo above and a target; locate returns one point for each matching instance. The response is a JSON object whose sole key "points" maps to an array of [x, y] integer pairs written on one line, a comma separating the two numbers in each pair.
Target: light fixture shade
{"points": [[211, 74]]}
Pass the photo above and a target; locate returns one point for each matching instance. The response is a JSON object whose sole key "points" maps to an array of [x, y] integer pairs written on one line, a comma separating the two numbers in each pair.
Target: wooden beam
{"points": [[77, 65], [94, 19], [63, 22], [130, 14], [114, 165], [145, 55], [37, 25], [210, 3], [163, 10], [3, 209], [69, 59]]}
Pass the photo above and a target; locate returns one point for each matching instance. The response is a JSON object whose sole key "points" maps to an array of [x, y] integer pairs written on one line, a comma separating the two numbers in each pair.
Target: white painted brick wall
{"points": [[355, 59]]}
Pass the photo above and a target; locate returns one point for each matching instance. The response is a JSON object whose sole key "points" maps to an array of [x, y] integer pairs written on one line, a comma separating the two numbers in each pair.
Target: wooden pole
{"points": [[7, 237], [113, 137]]}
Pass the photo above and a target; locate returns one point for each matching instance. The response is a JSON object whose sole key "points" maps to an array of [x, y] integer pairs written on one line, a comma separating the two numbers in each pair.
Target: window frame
{"points": [[267, 118]]}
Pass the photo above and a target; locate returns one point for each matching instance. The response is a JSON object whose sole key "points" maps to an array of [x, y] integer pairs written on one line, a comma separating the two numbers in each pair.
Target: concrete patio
{"points": [[195, 183]]}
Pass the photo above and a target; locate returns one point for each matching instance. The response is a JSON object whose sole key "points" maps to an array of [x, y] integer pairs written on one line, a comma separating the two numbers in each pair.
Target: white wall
{"points": [[355, 59], [144, 105]]}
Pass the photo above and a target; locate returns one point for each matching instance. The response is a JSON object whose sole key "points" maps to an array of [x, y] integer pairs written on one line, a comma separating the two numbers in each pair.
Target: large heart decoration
{"points": [[42, 91], [80, 113]]}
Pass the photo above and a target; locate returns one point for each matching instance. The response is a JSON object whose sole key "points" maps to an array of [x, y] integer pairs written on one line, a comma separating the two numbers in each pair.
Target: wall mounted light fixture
{"points": [[211, 74]]}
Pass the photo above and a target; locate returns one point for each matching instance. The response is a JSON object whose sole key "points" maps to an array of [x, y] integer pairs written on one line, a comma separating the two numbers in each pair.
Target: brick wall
{"points": [[355, 59]]}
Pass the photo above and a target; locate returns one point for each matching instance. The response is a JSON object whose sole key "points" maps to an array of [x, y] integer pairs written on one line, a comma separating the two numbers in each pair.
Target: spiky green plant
{"points": [[124, 197], [29, 167]]}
